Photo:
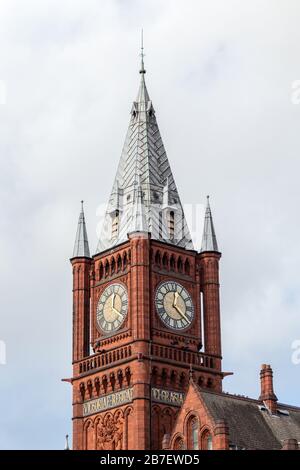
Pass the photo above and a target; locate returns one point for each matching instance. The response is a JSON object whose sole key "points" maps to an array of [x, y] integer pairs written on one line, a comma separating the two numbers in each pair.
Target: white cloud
{"points": [[220, 75]]}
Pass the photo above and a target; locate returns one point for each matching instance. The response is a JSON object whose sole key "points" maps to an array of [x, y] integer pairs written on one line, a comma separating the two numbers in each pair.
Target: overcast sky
{"points": [[220, 75]]}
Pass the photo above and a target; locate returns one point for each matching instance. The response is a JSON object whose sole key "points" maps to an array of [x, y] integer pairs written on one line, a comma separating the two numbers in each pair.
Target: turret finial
{"points": [[67, 447]]}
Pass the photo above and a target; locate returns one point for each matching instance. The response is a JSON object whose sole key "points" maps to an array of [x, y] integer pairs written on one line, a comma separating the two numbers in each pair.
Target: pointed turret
{"points": [[209, 239], [81, 246], [144, 159]]}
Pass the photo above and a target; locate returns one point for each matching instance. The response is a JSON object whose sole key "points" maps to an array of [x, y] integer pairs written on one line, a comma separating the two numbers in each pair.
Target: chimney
{"points": [[267, 394], [290, 444], [221, 435]]}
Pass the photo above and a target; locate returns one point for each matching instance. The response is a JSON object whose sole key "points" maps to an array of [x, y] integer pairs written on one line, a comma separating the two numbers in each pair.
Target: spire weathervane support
{"points": [[142, 70]]}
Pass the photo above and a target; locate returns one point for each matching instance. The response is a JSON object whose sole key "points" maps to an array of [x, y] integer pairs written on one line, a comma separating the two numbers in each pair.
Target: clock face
{"points": [[174, 305], [112, 308]]}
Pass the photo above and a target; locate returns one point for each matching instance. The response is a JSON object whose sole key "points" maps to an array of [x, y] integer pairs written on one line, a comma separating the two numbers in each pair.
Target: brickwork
{"points": [[194, 410], [267, 394], [81, 307], [143, 353], [209, 269]]}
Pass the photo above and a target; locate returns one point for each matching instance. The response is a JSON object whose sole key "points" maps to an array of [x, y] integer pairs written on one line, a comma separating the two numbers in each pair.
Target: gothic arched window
{"points": [[187, 267], [206, 441], [193, 431], [158, 258], [125, 261], [106, 268], [179, 265], [165, 261], [113, 266], [172, 263], [101, 271], [179, 444]]}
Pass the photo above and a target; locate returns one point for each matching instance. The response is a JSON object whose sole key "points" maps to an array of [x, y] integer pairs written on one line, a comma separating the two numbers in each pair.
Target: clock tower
{"points": [[146, 313]]}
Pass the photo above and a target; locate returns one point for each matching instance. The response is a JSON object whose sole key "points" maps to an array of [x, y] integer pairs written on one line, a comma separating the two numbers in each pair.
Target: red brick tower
{"points": [[138, 303], [209, 269]]}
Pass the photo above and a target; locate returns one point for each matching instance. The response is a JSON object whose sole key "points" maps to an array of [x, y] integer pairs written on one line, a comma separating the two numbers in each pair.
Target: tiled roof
{"points": [[251, 426]]}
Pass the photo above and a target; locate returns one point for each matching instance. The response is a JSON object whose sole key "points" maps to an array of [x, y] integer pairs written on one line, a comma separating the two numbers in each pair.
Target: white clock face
{"points": [[112, 308], [174, 305]]}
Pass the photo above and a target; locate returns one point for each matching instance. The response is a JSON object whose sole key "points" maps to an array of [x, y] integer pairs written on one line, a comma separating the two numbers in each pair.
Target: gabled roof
{"points": [[284, 426], [248, 428]]}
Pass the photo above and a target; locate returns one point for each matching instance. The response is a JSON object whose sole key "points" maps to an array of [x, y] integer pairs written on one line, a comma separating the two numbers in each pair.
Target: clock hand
{"points": [[118, 313], [175, 299], [112, 306], [176, 295], [182, 314]]}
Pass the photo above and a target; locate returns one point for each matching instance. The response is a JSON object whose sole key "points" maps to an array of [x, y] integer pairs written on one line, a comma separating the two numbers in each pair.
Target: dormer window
{"points": [[115, 224], [171, 224], [160, 224], [134, 110]]}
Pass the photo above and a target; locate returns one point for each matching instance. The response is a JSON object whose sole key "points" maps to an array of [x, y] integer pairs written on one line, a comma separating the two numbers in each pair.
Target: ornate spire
{"points": [[209, 240], [144, 163], [81, 246]]}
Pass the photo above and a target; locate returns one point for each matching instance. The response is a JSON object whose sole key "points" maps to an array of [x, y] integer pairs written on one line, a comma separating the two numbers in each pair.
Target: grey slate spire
{"points": [[209, 240], [81, 246], [144, 163]]}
